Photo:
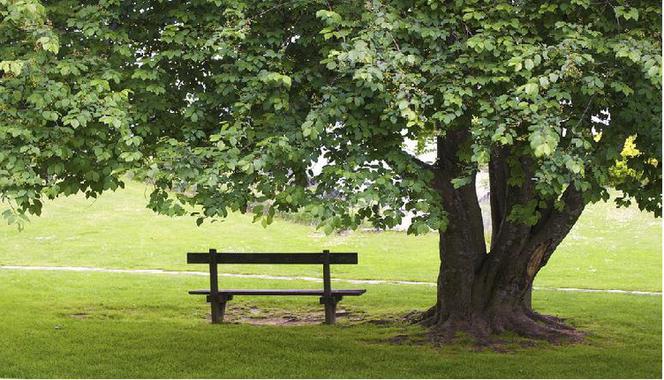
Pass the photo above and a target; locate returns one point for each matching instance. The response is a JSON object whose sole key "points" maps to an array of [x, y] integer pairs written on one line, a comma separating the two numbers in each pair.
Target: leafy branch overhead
{"points": [[64, 120], [229, 104]]}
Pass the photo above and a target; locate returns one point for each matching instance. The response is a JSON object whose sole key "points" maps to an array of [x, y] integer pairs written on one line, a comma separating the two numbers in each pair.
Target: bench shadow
{"points": [[251, 314]]}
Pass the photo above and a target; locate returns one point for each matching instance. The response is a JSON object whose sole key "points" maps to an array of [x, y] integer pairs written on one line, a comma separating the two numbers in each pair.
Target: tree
{"points": [[234, 100]]}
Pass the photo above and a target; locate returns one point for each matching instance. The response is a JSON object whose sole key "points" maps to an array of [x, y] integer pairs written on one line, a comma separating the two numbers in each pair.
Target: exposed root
{"points": [[542, 328], [427, 318], [454, 329], [549, 320], [484, 331]]}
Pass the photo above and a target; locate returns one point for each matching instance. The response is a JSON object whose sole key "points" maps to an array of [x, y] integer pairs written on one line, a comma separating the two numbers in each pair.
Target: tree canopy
{"points": [[565, 85], [229, 102]]}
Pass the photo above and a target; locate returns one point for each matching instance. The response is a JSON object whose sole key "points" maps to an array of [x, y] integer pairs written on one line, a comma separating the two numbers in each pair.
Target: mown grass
{"points": [[103, 325], [109, 325], [607, 249]]}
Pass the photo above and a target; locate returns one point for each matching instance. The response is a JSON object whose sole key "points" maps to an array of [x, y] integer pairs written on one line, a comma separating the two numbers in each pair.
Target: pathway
{"points": [[294, 278]]}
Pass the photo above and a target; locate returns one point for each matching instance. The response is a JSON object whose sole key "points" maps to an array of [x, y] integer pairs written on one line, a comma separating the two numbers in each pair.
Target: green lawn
{"points": [[608, 249], [109, 325], [119, 325]]}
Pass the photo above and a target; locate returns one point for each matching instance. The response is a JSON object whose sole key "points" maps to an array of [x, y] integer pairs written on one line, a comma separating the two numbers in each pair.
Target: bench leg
{"points": [[330, 313], [330, 308], [218, 308], [217, 311]]}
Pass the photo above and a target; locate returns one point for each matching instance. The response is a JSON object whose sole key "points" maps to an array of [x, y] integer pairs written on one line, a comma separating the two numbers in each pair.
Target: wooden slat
{"points": [[216, 313], [272, 258], [282, 292], [329, 301]]}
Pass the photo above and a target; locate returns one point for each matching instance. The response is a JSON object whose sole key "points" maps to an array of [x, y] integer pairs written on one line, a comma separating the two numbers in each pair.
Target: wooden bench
{"points": [[219, 297]]}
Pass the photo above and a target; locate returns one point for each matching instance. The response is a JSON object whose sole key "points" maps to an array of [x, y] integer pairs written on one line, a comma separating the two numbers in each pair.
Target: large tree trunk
{"points": [[480, 291]]}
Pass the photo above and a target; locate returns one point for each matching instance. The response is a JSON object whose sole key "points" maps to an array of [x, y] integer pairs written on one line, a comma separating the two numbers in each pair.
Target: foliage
{"points": [[516, 74], [64, 125], [232, 101], [542, 79]]}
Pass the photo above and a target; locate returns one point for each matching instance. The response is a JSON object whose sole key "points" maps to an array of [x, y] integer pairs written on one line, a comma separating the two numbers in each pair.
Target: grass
{"points": [[607, 249], [102, 325], [115, 325]]}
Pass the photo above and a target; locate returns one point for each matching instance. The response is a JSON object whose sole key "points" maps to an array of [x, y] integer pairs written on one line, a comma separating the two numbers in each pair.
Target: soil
{"points": [[253, 315]]}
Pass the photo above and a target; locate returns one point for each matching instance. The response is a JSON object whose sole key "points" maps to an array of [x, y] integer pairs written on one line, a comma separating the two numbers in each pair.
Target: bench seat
{"points": [[282, 292]]}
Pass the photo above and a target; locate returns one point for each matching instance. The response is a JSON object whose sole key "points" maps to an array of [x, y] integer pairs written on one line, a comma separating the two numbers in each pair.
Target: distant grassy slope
{"points": [[609, 248], [99, 325]]}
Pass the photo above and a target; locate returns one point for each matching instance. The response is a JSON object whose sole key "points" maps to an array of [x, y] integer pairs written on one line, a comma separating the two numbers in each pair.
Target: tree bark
{"points": [[483, 292]]}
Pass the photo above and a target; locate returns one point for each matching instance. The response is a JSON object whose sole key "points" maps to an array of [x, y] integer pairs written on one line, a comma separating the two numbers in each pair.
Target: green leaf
{"points": [[531, 89], [49, 43], [529, 64], [461, 182], [50, 115], [12, 67]]}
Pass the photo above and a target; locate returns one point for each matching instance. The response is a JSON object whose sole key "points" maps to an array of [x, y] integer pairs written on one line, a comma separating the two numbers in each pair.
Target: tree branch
{"points": [[423, 165], [498, 189]]}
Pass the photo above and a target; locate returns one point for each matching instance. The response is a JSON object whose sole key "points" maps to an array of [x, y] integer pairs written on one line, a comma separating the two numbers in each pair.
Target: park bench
{"points": [[219, 297]]}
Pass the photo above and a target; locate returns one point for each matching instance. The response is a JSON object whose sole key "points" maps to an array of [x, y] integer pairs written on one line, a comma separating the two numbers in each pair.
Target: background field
{"points": [[80, 324], [609, 248]]}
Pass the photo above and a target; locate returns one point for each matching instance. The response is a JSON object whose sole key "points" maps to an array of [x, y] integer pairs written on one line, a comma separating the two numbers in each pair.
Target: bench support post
{"points": [[219, 307], [330, 308], [330, 313], [327, 299], [216, 308]]}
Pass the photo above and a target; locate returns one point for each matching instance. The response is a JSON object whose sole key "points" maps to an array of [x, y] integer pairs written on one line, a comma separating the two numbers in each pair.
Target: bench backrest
{"points": [[212, 258], [272, 258]]}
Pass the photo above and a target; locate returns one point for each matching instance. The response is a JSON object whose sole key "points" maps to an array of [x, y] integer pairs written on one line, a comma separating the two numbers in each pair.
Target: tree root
{"points": [[426, 318], [525, 323], [549, 320], [544, 327]]}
